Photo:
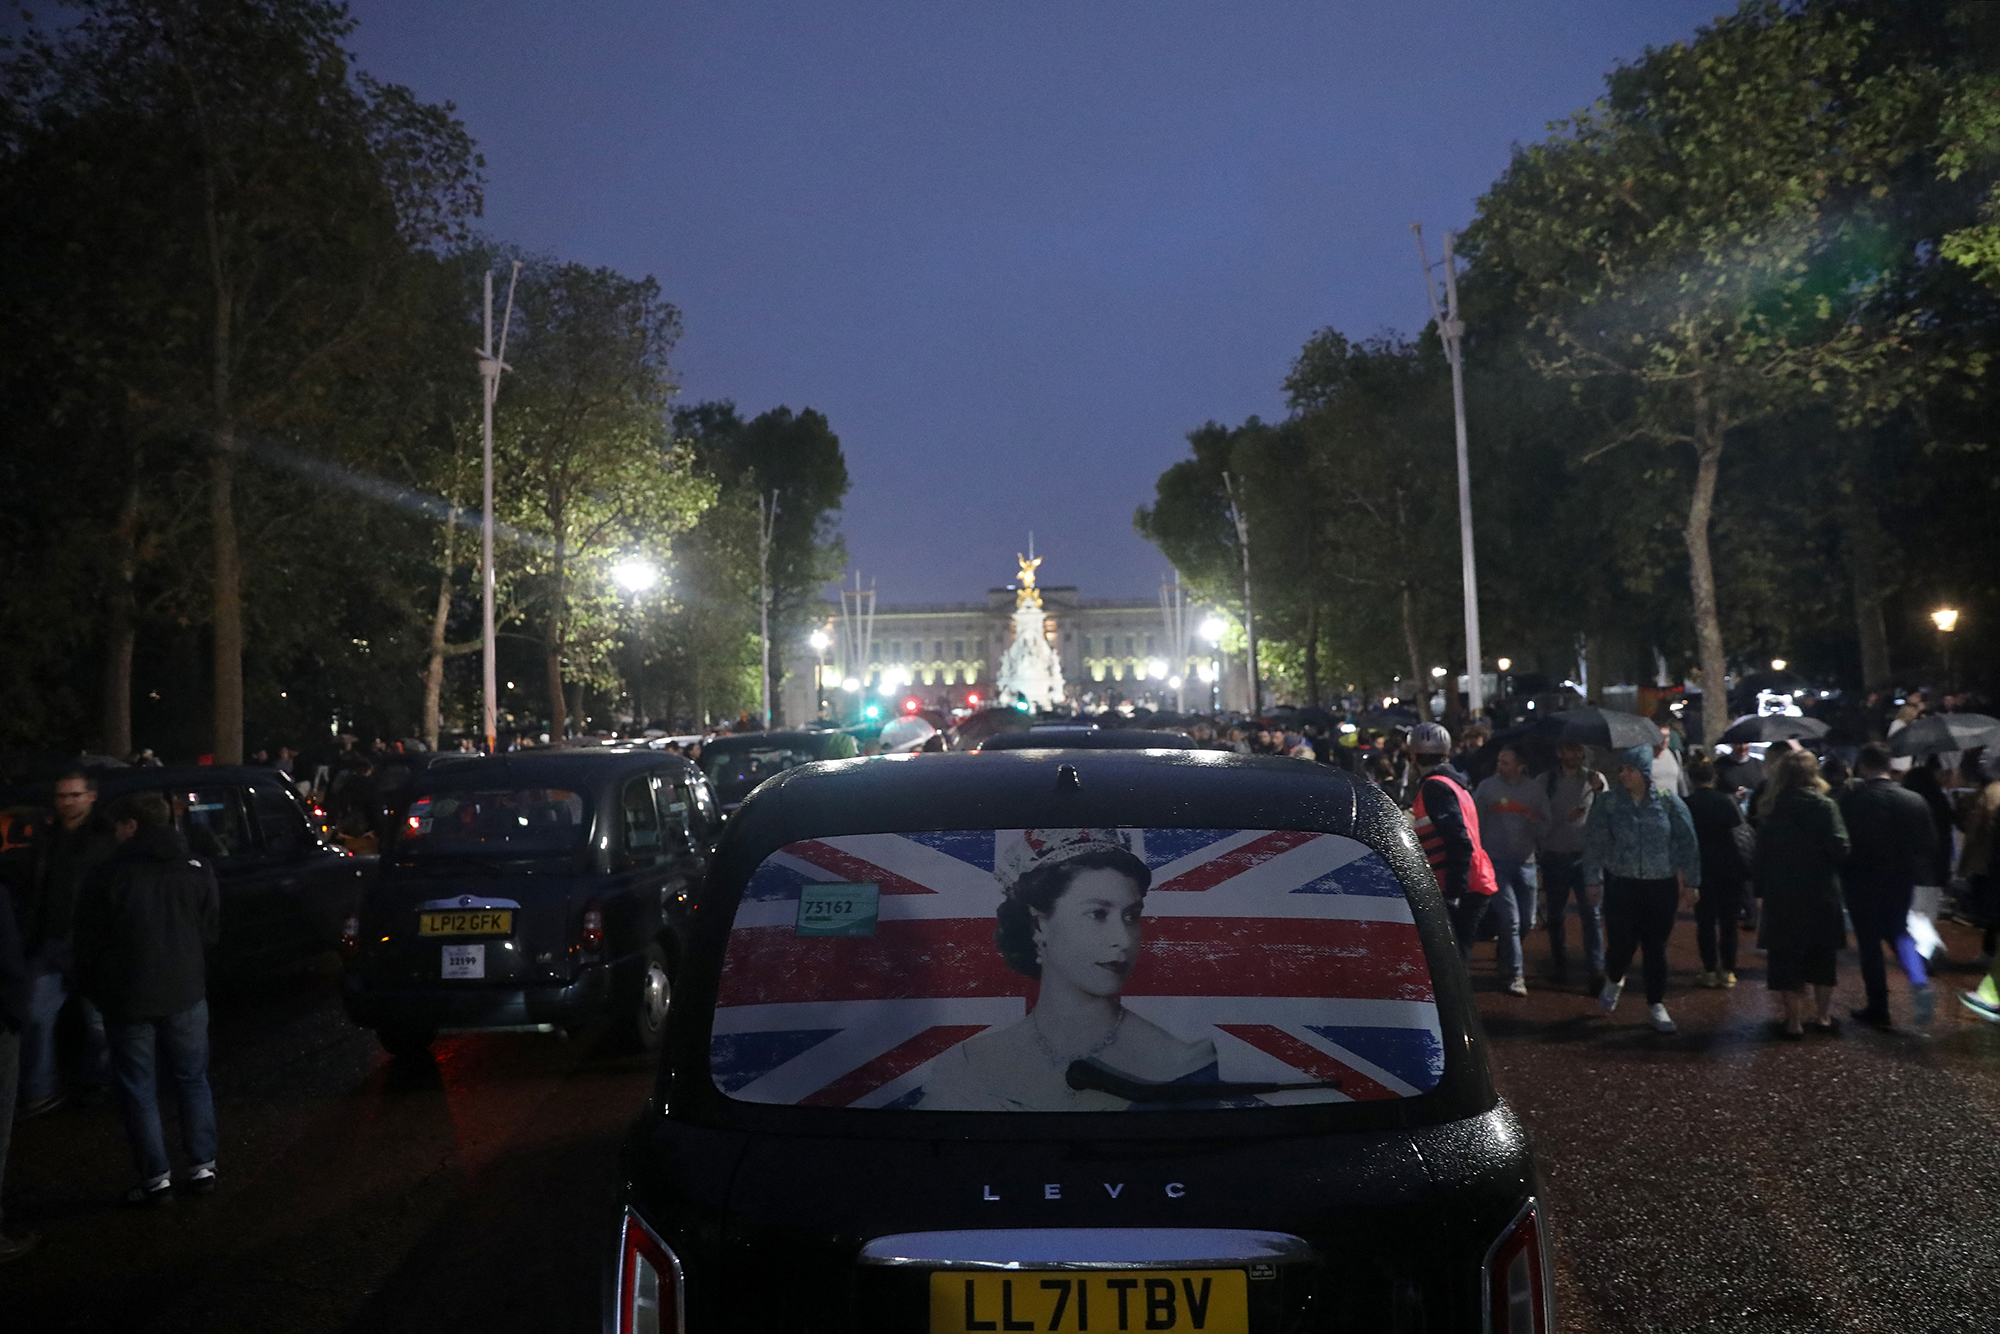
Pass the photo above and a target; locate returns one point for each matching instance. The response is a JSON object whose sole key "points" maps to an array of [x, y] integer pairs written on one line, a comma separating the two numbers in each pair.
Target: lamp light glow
{"points": [[1945, 619], [634, 575]]}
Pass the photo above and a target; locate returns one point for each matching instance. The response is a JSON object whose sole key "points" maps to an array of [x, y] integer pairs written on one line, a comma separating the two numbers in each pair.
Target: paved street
{"points": [[1712, 1180]]}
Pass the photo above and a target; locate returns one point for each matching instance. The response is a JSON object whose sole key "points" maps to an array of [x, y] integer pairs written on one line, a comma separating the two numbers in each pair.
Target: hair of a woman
{"points": [[1037, 891], [1794, 770]]}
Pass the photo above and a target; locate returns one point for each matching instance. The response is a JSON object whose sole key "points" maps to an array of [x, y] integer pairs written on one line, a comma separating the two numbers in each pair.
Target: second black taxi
{"points": [[533, 892]]}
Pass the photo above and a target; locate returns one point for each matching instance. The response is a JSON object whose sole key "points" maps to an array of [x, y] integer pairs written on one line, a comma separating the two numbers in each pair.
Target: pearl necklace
{"points": [[1061, 1065]]}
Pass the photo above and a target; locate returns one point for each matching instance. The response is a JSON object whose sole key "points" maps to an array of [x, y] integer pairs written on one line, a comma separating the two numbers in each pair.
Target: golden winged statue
{"points": [[1029, 596]]}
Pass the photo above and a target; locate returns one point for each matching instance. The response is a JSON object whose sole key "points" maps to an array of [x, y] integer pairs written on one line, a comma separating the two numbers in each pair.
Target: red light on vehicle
{"points": [[1517, 1278], [909, 706], [350, 938], [593, 929], [649, 1282], [973, 700]]}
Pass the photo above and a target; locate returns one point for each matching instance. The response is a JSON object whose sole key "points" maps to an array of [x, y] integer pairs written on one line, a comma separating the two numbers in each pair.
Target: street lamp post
{"points": [[1211, 631], [635, 575], [1451, 329], [819, 639], [1946, 620], [491, 363]]}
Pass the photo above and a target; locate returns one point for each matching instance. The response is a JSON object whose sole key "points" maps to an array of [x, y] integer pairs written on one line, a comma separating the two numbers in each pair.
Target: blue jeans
{"points": [[1562, 880], [182, 1039], [1513, 912], [41, 1072]]}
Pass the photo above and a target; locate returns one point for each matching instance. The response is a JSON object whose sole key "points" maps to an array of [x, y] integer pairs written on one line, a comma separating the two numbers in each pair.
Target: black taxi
{"points": [[286, 889], [1075, 1040], [532, 892]]}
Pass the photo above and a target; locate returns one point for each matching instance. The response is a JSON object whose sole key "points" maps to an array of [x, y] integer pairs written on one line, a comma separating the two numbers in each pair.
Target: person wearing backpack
{"points": [[1719, 829], [1447, 827]]}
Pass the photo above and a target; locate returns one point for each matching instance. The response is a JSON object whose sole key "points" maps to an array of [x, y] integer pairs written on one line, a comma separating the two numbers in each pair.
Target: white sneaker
{"points": [[1607, 999], [1518, 987], [1662, 1021]]}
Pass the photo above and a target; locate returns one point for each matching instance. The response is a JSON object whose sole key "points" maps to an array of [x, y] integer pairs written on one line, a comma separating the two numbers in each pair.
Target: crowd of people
{"points": [[1803, 858]]}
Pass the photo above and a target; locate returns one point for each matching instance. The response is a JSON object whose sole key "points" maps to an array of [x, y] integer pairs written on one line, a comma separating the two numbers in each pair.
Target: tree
{"points": [[1715, 237], [286, 193], [589, 465], [798, 456]]}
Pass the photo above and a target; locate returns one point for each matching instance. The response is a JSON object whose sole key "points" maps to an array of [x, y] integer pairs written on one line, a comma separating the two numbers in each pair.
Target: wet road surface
{"points": [[1716, 1179]]}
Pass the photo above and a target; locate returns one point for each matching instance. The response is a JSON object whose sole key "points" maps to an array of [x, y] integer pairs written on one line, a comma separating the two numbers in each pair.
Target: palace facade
{"points": [[945, 655]]}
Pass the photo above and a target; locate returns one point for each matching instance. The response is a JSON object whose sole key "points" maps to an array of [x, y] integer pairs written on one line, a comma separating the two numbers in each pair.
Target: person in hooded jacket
{"points": [[143, 922], [1801, 843], [1642, 860], [1895, 847]]}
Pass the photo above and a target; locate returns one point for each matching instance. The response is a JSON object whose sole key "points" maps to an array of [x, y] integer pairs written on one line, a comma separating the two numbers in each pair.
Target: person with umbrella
{"points": [[1641, 860], [1801, 843]]}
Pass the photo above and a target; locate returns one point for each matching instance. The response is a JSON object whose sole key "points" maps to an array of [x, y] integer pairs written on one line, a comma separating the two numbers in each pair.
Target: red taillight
{"points": [[593, 929], [1517, 1278], [350, 938], [649, 1282]]}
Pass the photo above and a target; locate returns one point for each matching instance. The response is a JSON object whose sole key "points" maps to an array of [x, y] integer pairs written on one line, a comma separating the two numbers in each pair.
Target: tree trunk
{"points": [[119, 630], [1861, 537], [1710, 426], [1416, 659], [1312, 651], [434, 670], [553, 642], [228, 598]]}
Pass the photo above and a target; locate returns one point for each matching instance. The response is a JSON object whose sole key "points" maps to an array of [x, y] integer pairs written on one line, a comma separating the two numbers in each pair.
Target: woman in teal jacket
{"points": [[1640, 858]]}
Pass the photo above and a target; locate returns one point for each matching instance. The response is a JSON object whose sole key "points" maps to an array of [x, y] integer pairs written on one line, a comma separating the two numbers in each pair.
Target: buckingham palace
{"points": [[945, 655]]}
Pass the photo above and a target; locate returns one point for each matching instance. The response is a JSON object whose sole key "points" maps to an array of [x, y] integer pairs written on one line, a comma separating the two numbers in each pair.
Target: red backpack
{"points": [[1482, 880]]}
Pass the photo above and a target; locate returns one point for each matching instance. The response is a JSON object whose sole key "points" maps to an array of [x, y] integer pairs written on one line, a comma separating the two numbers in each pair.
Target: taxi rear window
{"points": [[524, 821], [1074, 970]]}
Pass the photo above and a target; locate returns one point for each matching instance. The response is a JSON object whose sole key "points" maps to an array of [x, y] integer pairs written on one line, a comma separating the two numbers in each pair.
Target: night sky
{"points": [[1016, 251]]}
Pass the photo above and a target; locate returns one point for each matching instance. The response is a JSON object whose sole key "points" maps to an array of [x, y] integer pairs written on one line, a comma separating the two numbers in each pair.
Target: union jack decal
{"points": [[1294, 953]]}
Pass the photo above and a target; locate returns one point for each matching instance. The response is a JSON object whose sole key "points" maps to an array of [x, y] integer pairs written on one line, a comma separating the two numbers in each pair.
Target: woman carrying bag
{"points": [[1801, 842]]}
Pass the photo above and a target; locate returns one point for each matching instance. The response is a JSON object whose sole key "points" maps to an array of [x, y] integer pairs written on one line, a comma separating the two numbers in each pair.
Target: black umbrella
{"points": [[1945, 731], [1774, 727], [1607, 728], [1389, 718]]}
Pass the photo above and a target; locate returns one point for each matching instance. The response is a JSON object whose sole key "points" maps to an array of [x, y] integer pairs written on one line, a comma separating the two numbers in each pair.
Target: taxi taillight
{"points": [[1517, 1278], [649, 1282], [592, 934], [350, 937]]}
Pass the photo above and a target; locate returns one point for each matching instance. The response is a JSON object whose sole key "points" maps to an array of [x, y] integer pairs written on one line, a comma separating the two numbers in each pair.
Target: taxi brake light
{"points": [[1517, 1278], [593, 929], [649, 1282], [350, 938]]}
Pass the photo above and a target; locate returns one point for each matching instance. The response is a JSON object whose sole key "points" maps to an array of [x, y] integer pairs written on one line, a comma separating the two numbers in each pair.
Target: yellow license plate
{"points": [[466, 922], [1212, 1301]]}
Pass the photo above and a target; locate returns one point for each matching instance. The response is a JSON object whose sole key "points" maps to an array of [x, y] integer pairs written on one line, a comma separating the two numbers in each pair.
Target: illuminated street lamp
{"points": [[1438, 672], [1946, 620], [819, 639], [1505, 664], [634, 575], [1777, 664]]}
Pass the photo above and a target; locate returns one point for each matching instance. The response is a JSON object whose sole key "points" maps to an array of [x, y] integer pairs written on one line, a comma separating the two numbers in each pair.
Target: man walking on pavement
{"points": [[1570, 788], [1893, 843], [141, 925], [73, 844], [16, 985], [1447, 827], [1513, 810]]}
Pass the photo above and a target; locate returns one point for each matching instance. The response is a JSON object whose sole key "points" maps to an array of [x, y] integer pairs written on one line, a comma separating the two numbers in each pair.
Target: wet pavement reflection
{"points": [[1715, 1179]]}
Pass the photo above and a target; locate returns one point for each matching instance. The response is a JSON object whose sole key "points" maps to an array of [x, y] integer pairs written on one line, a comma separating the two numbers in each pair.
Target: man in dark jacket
{"points": [[142, 923], [66, 850], [16, 985], [1895, 843]]}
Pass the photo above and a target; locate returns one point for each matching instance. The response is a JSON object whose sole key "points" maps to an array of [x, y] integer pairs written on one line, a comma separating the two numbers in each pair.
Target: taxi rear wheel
{"points": [[646, 1019], [406, 1043]]}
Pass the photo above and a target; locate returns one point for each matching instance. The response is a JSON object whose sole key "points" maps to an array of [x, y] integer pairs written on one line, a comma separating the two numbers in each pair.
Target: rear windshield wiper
{"points": [[1095, 1075]]}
